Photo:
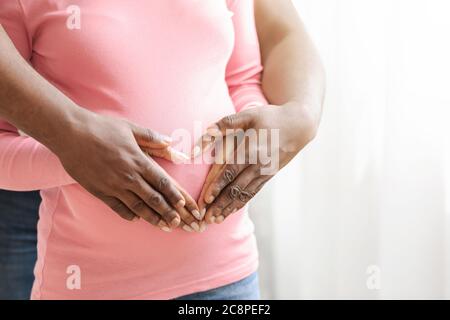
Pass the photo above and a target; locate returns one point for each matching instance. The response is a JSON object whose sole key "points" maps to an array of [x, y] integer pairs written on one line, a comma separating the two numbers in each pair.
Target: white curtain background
{"points": [[364, 211]]}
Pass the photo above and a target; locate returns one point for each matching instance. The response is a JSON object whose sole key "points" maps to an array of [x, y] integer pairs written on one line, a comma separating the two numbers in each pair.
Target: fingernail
{"points": [[187, 228], [196, 214], [175, 222], [209, 200], [214, 130], [135, 218], [212, 219], [202, 212], [203, 227], [166, 139], [180, 204], [164, 227], [178, 156], [195, 226], [196, 152], [220, 219]]}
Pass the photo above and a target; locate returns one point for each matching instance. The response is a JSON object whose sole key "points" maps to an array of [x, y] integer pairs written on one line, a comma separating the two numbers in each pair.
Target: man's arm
{"points": [[101, 153], [28, 101], [294, 83]]}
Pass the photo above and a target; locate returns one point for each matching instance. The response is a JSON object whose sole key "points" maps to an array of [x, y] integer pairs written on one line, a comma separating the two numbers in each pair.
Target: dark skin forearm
{"points": [[75, 135], [293, 73], [31, 103], [294, 84]]}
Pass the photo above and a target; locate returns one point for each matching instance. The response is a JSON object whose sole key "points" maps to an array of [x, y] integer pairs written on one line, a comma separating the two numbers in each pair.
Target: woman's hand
{"points": [[229, 186]]}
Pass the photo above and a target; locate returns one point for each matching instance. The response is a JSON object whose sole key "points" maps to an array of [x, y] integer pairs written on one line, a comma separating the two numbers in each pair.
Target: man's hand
{"points": [[110, 159], [103, 154], [230, 186]]}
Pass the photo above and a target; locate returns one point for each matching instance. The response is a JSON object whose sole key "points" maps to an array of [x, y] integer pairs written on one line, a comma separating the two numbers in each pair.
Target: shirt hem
{"points": [[202, 285]]}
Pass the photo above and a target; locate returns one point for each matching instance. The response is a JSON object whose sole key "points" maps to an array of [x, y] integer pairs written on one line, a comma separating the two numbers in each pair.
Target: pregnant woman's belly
{"points": [[160, 64]]}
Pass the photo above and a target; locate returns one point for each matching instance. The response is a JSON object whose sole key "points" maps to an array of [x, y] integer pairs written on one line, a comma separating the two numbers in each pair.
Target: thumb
{"points": [[234, 121], [147, 138], [242, 120]]}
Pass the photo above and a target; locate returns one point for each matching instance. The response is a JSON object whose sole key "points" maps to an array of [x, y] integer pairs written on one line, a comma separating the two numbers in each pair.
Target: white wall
{"points": [[374, 187]]}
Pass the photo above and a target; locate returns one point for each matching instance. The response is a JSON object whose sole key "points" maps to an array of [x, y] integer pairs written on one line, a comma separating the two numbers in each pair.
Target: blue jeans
{"points": [[245, 289], [19, 212]]}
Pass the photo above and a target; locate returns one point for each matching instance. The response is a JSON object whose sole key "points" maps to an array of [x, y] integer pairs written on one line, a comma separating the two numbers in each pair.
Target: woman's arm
{"points": [[293, 71], [294, 83], [27, 165], [244, 69]]}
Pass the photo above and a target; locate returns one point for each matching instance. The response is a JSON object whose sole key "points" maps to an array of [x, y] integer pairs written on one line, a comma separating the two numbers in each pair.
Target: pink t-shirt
{"points": [[161, 64]]}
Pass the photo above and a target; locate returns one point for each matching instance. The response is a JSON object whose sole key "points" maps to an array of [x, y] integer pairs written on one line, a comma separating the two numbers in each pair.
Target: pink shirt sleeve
{"points": [[244, 69], [12, 20], [25, 164]]}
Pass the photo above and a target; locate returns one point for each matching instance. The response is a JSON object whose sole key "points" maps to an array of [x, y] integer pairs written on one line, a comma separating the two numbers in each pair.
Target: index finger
{"points": [[213, 172], [222, 179]]}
